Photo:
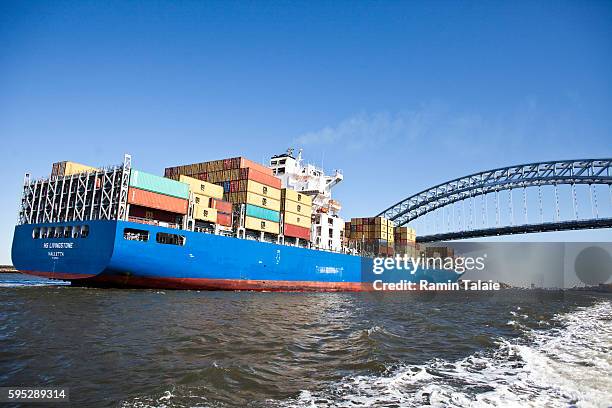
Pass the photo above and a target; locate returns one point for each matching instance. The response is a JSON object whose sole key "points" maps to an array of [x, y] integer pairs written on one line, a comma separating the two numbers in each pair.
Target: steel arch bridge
{"points": [[589, 172]]}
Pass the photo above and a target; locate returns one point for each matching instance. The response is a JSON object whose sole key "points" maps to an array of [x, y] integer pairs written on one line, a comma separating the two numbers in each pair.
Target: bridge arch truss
{"points": [[552, 173]]}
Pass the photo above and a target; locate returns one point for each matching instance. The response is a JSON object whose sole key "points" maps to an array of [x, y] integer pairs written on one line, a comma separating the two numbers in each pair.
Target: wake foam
{"points": [[570, 365], [18, 283]]}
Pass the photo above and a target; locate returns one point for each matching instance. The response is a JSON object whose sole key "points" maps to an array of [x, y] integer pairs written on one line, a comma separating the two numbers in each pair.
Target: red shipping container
{"points": [[224, 219], [221, 206], [150, 199], [151, 213], [297, 232]]}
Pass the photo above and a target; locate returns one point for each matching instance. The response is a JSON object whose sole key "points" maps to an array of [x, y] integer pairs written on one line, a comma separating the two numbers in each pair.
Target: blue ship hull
{"points": [[205, 261]]}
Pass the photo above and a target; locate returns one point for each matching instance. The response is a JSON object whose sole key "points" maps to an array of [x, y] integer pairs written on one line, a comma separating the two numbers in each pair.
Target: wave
{"points": [[568, 365], [34, 282]]}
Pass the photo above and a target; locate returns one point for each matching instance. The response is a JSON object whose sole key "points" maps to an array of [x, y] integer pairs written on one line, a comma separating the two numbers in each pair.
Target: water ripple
{"points": [[140, 348]]}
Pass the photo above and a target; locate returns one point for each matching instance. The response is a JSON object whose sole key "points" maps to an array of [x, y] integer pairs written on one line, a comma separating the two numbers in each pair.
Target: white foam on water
{"points": [[28, 283], [570, 365], [150, 401]]}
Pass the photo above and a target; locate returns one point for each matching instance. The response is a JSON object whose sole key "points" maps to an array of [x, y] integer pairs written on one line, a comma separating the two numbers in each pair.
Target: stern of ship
{"points": [[72, 250]]}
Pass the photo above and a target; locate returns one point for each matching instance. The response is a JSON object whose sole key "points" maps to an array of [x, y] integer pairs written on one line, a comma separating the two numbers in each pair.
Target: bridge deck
{"points": [[519, 229]]}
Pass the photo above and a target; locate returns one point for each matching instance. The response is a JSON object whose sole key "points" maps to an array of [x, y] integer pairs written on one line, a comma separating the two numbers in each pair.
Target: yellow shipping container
{"points": [[296, 219], [293, 195], [68, 168], [202, 200], [261, 225], [203, 213], [255, 199], [382, 228], [202, 187], [296, 208], [262, 189], [74, 168]]}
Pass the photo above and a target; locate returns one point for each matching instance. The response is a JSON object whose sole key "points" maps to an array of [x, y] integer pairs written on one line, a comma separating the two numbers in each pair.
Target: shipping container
{"points": [[380, 221], [145, 213], [224, 219], [293, 195], [220, 177], [237, 185], [235, 163], [252, 198], [408, 250], [295, 219], [263, 178], [262, 189], [370, 229], [202, 187], [201, 200], [157, 184], [261, 225], [158, 201], [296, 208], [68, 168], [244, 162], [296, 232], [263, 213], [203, 213], [221, 206], [405, 233], [439, 252]]}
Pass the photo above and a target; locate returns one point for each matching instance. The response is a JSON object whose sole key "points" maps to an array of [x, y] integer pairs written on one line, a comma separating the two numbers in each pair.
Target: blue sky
{"points": [[399, 95]]}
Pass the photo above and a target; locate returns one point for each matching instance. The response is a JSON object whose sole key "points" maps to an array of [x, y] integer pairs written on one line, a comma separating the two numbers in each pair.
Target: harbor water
{"points": [[147, 348]]}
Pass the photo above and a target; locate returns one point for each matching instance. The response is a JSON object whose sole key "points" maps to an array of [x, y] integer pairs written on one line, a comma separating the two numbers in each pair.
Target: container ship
{"points": [[230, 224]]}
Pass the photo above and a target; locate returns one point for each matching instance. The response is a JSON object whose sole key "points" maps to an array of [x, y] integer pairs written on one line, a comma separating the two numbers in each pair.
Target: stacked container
{"points": [[157, 200], [67, 168], [405, 241], [372, 235], [296, 209], [439, 252], [224, 212], [245, 184], [208, 205], [236, 164]]}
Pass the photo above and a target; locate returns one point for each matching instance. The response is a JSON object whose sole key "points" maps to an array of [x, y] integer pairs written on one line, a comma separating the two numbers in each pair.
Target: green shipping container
{"points": [[157, 184], [262, 213]]}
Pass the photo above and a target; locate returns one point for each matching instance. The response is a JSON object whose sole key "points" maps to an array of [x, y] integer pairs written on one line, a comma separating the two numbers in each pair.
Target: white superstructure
{"points": [[327, 226]]}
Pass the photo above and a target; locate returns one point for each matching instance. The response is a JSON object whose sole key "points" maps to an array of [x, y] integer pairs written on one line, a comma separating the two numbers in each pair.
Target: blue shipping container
{"points": [[157, 184], [263, 213]]}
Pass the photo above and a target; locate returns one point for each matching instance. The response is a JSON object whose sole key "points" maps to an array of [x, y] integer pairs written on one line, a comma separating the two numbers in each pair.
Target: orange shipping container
{"points": [[255, 166], [263, 178], [234, 163], [158, 201]]}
